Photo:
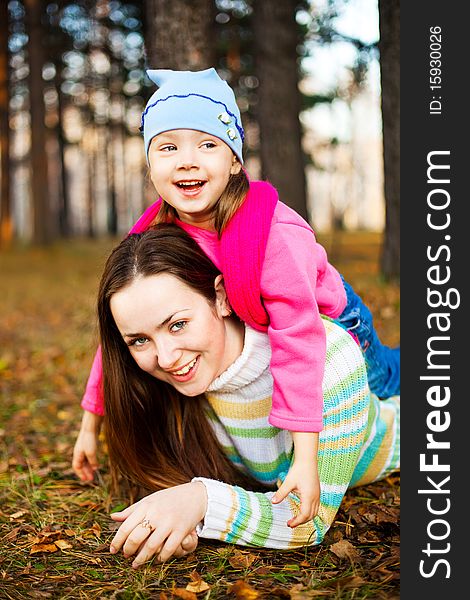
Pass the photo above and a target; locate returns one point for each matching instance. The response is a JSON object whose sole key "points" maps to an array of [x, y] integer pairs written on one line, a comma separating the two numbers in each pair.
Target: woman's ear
{"points": [[236, 166], [222, 304]]}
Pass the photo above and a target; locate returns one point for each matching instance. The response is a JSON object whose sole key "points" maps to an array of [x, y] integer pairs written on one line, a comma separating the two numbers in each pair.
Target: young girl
{"points": [[277, 276]]}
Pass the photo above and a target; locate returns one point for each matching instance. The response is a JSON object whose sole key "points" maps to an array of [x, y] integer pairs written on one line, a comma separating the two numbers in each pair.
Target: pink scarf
{"points": [[243, 246]]}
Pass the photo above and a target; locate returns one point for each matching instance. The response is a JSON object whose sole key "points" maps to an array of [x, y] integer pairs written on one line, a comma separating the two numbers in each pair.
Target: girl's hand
{"points": [[160, 523], [85, 461], [303, 480]]}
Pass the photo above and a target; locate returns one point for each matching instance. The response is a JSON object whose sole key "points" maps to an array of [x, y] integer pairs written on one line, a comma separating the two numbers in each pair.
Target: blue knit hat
{"points": [[198, 100]]}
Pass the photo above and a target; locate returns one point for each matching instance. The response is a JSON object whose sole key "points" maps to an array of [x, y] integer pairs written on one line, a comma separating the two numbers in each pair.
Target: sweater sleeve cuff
{"points": [[219, 502]]}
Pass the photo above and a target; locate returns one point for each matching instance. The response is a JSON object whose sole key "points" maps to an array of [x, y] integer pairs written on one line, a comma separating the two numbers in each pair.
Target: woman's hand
{"points": [[85, 461], [188, 545], [162, 523]]}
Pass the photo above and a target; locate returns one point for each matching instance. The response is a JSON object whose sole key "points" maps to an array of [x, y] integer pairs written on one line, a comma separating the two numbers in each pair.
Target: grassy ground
{"points": [[55, 531]]}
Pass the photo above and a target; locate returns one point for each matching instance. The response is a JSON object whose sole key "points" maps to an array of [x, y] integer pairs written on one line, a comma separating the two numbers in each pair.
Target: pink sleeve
{"points": [[93, 400], [293, 269]]}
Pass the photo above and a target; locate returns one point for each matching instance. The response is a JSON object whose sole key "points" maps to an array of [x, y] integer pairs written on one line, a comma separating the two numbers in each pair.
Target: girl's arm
{"points": [[85, 461], [297, 286], [92, 400], [302, 478]]}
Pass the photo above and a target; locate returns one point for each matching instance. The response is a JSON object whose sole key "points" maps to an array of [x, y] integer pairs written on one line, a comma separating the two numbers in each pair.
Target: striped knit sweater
{"points": [[359, 444]]}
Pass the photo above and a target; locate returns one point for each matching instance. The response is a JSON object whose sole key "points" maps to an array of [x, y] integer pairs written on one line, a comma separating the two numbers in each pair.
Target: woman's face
{"points": [[174, 334]]}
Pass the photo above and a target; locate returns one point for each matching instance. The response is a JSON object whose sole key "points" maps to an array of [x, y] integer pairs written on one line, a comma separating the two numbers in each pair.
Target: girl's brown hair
{"points": [[228, 204], [156, 436]]}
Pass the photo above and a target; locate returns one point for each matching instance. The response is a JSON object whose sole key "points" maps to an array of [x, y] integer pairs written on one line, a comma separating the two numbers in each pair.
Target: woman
{"points": [[187, 394]]}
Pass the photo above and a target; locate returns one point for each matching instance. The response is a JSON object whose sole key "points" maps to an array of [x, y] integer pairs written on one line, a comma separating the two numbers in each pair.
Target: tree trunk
{"points": [[180, 34], [39, 187], [90, 157], [111, 180], [6, 226], [64, 204], [279, 100], [389, 45]]}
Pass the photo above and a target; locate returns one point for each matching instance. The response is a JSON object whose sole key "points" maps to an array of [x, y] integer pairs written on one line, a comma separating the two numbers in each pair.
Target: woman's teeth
{"points": [[186, 369]]}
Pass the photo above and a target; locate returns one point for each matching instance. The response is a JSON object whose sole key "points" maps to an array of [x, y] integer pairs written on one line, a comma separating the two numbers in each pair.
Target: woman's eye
{"points": [[178, 326], [138, 341]]}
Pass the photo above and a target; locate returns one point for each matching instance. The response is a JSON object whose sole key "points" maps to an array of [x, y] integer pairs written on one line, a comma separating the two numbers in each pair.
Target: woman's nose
{"points": [[168, 354]]}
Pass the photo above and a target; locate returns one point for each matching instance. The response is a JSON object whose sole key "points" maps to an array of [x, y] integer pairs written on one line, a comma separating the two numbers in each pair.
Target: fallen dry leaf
{"points": [[43, 548], [242, 590], [344, 549], [69, 532], [241, 560], [197, 584], [197, 588], [63, 544], [18, 514]]}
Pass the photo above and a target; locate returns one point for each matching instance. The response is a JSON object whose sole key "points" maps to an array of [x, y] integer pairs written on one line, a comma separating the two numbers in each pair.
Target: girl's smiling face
{"points": [[190, 170], [174, 334]]}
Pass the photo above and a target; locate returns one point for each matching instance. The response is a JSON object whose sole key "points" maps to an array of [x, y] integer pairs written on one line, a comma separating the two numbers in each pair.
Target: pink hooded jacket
{"points": [[278, 280]]}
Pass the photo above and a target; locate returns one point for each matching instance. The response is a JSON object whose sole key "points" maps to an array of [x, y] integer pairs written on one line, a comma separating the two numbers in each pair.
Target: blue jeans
{"points": [[382, 362]]}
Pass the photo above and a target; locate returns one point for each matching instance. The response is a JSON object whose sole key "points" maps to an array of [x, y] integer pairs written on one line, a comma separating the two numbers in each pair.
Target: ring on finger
{"points": [[146, 523]]}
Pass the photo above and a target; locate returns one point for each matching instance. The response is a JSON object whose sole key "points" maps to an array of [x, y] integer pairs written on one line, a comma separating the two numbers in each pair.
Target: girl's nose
{"points": [[187, 159]]}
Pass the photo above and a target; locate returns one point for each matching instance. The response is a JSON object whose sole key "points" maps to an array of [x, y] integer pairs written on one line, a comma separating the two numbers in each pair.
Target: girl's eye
{"points": [[208, 145], [138, 342], [178, 326], [168, 148]]}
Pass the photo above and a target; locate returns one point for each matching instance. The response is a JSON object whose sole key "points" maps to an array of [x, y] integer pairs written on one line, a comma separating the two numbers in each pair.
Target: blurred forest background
{"points": [[73, 87]]}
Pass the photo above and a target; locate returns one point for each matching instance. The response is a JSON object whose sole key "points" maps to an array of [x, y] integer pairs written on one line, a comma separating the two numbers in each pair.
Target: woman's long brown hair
{"points": [[156, 437], [228, 204]]}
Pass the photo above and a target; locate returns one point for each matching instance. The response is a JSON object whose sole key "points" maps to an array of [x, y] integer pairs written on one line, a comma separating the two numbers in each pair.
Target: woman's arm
{"points": [[360, 443]]}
